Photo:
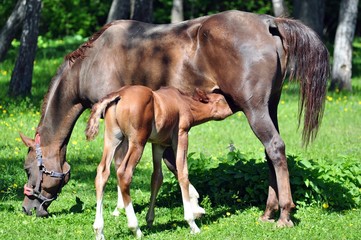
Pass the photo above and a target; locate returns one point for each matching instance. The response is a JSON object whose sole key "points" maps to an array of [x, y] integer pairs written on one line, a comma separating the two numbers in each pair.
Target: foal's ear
{"points": [[27, 141], [200, 95]]}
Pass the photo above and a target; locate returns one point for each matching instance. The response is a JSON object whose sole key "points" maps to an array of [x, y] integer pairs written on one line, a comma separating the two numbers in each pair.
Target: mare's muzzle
{"points": [[34, 198]]}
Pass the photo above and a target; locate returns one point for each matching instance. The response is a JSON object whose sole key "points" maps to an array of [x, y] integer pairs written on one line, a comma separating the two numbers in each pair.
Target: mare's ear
{"points": [[27, 141], [201, 96]]}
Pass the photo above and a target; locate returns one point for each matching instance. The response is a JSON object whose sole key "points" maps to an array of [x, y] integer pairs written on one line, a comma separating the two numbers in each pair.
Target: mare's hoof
{"points": [[285, 223], [266, 219]]}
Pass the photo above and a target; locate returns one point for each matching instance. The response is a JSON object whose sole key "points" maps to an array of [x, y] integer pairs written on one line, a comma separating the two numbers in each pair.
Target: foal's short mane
{"points": [[80, 52]]}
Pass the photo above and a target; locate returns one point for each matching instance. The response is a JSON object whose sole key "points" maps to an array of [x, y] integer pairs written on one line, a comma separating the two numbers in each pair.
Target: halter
{"points": [[36, 192]]}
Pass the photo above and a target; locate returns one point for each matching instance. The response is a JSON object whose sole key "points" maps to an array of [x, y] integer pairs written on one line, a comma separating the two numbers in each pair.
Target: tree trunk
{"points": [[279, 8], [120, 9], [310, 12], [342, 55], [177, 11], [143, 10], [12, 27], [20, 83]]}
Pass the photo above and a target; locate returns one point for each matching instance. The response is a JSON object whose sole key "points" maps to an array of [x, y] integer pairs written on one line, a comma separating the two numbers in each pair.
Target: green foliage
{"points": [[198, 8], [70, 17]]}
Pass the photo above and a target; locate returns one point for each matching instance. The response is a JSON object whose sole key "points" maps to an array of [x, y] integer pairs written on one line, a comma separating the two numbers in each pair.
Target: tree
{"points": [[120, 9], [279, 8], [20, 83], [311, 12], [177, 11], [12, 27], [342, 55], [143, 10]]}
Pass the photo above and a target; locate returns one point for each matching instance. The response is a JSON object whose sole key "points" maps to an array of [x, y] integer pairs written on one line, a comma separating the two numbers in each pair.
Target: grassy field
{"points": [[325, 177]]}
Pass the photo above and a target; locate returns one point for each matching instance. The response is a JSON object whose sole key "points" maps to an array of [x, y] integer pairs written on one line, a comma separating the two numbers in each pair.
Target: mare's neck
{"points": [[60, 111]]}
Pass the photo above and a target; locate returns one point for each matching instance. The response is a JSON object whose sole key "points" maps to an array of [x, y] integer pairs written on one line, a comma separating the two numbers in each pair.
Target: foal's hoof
{"points": [[285, 223], [150, 223], [198, 212], [116, 213], [195, 230], [99, 236]]}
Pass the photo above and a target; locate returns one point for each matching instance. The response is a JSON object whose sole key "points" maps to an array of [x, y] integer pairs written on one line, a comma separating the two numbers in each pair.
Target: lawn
{"points": [[227, 167]]}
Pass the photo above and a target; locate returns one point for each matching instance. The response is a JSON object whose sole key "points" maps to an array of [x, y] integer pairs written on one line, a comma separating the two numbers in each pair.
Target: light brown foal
{"points": [[135, 115]]}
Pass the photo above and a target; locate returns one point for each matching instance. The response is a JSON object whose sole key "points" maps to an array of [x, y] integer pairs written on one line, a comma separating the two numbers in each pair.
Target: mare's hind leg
{"points": [[169, 160], [279, 186], [125, 173], [101, 179], [118, 157]]}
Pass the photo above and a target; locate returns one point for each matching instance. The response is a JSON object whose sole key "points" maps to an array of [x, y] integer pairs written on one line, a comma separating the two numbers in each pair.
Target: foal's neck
{"points": [[201, 112]]}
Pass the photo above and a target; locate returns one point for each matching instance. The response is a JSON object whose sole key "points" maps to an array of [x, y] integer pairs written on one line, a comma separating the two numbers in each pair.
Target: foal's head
{"points": [[215, 105], [46, 176]]}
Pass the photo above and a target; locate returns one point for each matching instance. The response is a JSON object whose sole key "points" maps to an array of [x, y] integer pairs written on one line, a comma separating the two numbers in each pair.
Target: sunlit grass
{"points": [[337, 144]]}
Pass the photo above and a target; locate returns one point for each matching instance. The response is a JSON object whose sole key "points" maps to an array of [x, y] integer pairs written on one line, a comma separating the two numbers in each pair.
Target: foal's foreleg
{"points": [[182, 169], [157, 180], [169, 160]]}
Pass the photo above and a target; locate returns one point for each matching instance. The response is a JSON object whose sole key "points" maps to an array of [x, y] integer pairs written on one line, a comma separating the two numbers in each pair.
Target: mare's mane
{"points": [[80, 52], [71, 58]]}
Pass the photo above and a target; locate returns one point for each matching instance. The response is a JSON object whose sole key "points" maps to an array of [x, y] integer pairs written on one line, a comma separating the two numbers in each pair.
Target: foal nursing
{"points": [[135, 115]]}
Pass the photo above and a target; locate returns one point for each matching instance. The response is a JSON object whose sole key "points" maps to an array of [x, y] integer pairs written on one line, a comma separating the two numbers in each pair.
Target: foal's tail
{"points": [[98, 110], [308, 62]]}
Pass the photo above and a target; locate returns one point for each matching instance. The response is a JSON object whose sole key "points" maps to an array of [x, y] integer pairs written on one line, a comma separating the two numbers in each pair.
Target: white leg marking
{"points": [[132, 220], [188, 216], [196, 209], [120, 203], [99, 221]]}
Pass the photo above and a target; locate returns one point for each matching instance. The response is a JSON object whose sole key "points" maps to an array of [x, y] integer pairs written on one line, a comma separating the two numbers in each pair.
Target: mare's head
{"points": [[47, 174], [214, 103]]}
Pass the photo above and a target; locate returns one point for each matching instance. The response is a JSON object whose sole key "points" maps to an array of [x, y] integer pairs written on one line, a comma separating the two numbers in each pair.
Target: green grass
{"points": [[325, 177]]}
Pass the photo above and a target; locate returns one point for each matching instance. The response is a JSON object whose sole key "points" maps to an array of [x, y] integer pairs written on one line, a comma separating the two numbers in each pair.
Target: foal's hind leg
{"points": [[118, 157], [169, 160], [101, 179], [125, 173], [266, 131]]}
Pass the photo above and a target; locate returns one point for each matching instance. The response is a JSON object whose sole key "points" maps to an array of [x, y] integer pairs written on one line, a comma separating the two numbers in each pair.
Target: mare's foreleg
{"points": [[125, 173], [182, 170], [169, 160], [279, 185]]}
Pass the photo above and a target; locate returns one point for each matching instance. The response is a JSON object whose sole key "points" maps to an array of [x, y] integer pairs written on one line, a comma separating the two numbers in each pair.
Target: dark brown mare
{"points": [[241, 55], [136, 114]]}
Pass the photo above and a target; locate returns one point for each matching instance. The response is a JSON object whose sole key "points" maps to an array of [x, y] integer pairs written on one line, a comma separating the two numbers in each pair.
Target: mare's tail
{"points": [[308, 62], [98, 110]]}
